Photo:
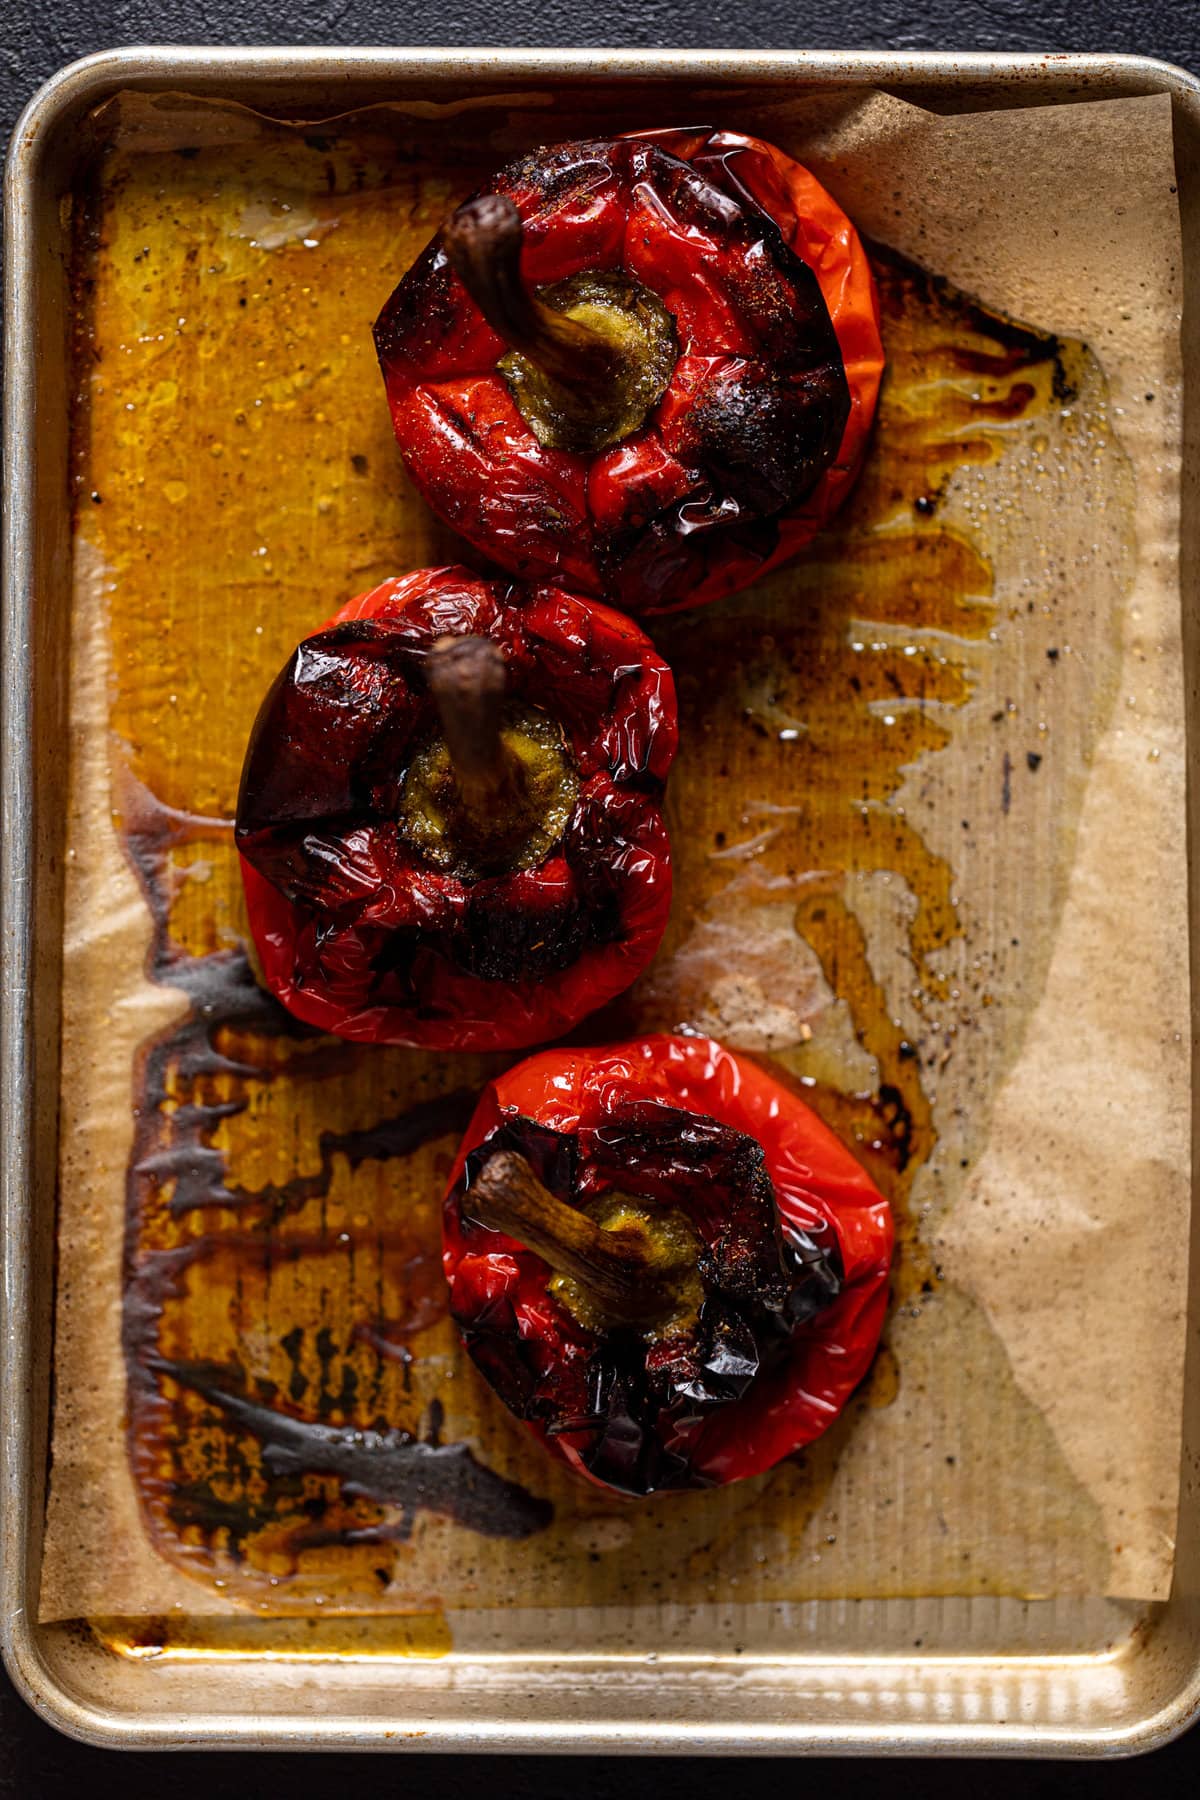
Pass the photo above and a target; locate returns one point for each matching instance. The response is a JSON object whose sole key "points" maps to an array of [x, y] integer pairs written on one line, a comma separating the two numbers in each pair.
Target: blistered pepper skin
{"points": [[766, 418], [355, 933], [795, 1317]]}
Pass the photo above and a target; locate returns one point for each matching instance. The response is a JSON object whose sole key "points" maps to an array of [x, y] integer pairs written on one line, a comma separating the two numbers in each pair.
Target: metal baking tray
{"points": [[970, 1676]]}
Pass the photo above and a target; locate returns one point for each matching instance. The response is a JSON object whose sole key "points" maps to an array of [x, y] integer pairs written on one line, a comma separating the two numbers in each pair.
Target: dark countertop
{"points": [[35, 1762]]}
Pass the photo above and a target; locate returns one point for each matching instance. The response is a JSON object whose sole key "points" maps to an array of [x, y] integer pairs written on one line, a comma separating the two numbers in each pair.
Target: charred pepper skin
{"points": [[357, 932], [766, 417], [795, 1251]]}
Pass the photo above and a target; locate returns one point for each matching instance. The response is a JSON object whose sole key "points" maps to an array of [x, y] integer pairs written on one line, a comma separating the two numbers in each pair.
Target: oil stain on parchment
{"points": [[884, 749]]}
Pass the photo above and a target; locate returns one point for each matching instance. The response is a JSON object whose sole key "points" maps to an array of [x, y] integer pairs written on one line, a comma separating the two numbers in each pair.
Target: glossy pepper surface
{"points": [[663, 1261], [407, 886], [674, 382]]}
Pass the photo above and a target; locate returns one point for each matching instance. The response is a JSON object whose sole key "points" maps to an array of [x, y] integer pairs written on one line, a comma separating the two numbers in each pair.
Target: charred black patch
{"points": [[503, 942], [694, 199], [419, 311], [767, 438], [647, 566], [899, 1121], [331, 736]]}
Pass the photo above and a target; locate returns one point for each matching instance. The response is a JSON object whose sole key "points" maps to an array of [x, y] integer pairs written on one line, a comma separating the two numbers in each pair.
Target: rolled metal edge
{"points": [[285, 79]]}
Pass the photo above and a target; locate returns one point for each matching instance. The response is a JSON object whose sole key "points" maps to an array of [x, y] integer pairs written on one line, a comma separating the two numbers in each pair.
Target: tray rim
{"points": [[59, 103]]}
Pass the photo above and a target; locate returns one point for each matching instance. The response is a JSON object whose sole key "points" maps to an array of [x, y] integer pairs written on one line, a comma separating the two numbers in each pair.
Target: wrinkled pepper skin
{"points": [[354, 933], [766, 418], [798, 1249]]}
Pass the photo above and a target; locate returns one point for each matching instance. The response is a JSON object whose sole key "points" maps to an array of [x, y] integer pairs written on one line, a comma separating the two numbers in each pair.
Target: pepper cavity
{"points": [[621, 1261], [493, 793], [590, 357]]}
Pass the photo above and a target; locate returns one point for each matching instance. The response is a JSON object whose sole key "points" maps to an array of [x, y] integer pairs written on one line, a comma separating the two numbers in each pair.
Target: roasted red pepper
{"points": [[645, 368], [450, 814], [663, 1261]]}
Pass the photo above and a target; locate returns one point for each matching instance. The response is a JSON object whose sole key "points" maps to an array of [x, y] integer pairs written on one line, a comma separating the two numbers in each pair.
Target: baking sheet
{"points": [[831, 936]]}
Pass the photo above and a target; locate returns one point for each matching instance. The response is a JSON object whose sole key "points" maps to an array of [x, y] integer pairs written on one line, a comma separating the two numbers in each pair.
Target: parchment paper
{"points": [[1080, 1199], [1029, 1441]]}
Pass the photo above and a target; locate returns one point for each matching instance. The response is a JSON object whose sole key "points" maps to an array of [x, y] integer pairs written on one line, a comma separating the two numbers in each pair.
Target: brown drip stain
{"points": [[358, 1483], [289, 1358]]}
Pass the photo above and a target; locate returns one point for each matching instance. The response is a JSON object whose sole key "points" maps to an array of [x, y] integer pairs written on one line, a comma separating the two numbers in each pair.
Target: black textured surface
{"points": [[35, 40], [41, 37]]}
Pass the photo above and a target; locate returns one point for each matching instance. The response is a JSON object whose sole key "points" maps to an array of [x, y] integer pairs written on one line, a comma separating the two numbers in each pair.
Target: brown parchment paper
{"points": [[1088, 244], [971, 956]]}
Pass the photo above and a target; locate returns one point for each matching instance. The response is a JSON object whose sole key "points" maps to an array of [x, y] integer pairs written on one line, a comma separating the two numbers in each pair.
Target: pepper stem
{"points": [[483, 241], [628, 1275], [467, 679]]}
